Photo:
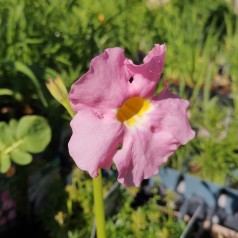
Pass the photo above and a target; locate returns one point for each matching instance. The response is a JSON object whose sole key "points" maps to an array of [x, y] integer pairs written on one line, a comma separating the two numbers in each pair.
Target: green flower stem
{"points": [[99, 205]]}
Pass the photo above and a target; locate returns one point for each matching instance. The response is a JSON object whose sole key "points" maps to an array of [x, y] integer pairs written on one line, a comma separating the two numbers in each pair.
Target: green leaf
{"points": [[5, 162], [6, 134], [21, 157], [23, 68], [2, 145], [34, 40], [12, 128], [50, 73], [13, 125], [63, 60], [6, 91], [35, 133]]}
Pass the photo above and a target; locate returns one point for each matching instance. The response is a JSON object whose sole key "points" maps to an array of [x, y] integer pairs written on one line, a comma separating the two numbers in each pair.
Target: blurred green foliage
{"points": [[150, 219], [74, 218], [41, 39]]}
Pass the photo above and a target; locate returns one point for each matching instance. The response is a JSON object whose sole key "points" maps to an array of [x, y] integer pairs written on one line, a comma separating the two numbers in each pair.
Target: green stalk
{"points": [[99, 205]]}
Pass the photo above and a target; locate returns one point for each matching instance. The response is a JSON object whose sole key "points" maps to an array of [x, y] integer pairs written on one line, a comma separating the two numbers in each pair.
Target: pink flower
{"points": [[116, 107]]}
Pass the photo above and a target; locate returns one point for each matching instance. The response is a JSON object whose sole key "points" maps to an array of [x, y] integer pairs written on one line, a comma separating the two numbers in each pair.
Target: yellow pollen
{"points": [[133, 109]]}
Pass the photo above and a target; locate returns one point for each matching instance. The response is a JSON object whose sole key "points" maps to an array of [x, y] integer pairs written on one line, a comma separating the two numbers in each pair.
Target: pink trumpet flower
{"points": [[120, 120]]}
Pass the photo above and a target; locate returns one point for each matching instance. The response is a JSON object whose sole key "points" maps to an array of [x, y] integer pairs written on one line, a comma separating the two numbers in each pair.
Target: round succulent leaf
{"points": [[2, 145], [35, 133], [21, 157], [6, 134], [13, 125], [5, 162]]}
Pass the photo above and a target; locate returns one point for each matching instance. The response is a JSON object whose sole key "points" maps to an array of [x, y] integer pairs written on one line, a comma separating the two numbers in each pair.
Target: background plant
{"points": [[74, 219], [19, 139], [43, 39]]}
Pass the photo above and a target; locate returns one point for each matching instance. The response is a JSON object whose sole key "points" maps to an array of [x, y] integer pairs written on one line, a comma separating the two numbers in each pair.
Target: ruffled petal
{"points": [[146, 76], [170, 115], [94, 141], [158, 50], [104, 86], [142, 154], [149, 144]]}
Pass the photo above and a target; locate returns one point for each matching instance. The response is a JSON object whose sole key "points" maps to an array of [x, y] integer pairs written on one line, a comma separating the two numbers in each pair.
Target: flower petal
{"points": [[146, 76], [148, 145], [94, 141], [104, 85], [158, 50], [170, 115], [142, 154]]}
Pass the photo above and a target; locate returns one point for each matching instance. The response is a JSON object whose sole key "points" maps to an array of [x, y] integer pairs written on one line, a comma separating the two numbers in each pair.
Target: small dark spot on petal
{"points": [[152, 129], [131, 79]]}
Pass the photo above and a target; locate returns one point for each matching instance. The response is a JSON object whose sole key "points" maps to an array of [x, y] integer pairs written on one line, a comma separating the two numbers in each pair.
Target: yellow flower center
{"points": [[132, 110]]}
